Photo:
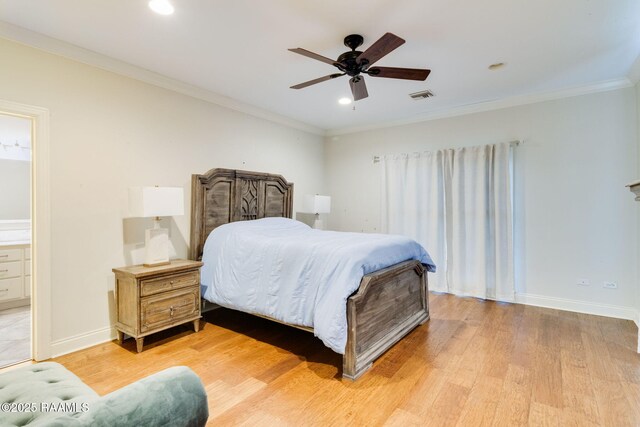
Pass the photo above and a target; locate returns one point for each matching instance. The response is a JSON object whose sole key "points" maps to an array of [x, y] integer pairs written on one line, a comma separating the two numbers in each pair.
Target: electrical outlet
{"points": [[583, 282], [610, 285]]}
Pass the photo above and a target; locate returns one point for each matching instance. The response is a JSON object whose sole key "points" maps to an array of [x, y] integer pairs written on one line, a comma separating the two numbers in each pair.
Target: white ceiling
{"points": [[238, 48]]}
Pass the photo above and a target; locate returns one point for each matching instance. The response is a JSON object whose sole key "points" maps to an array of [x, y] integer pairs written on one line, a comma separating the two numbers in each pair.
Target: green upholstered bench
{"points": [[47, 394]]}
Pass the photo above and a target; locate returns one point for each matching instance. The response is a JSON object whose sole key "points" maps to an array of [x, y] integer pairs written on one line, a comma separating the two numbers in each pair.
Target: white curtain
{"points": [[458, 204]]}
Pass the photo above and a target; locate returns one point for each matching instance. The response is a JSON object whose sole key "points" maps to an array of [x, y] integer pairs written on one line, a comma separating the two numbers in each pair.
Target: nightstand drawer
{"points": [[10, 288], [164, 284], [10, 269], [164, 309], [10, 255]]}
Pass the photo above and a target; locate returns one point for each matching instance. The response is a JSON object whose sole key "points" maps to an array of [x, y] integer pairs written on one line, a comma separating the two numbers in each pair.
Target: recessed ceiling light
{"points": [[344, 101], [496, 66], [162, 7]]}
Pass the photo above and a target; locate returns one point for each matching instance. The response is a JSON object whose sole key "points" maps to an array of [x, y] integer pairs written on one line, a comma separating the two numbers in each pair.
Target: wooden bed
{"points": [[388, 304]]}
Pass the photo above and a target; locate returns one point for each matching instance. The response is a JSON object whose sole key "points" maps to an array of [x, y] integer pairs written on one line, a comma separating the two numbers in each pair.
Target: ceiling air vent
{"points": [[421, 95]]}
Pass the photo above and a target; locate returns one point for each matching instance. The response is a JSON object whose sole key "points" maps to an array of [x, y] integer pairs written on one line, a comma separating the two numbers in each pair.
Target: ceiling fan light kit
{"points": [[354, 63]]}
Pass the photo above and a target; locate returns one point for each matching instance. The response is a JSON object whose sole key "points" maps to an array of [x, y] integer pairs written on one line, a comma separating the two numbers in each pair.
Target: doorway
{"points": [[40, 225], [16, 135]]}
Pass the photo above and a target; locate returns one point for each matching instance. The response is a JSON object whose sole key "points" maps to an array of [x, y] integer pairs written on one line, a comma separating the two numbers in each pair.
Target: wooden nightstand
{"points": [[151, 299]]}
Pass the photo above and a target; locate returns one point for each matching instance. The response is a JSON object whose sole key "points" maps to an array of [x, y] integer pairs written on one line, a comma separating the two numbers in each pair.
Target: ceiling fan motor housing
{"points": [[348, 61]]}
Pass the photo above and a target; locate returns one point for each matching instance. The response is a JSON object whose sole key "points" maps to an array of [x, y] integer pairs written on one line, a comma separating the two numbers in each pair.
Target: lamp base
{"points": [[157, 264], [318, 224], [156, 247]]}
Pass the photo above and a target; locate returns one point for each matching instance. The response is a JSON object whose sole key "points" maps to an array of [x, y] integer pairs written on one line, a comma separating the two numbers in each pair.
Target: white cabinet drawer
{"points": [[10, 269], [7, 255], [27, 253], [10, 288], [27, 268]]}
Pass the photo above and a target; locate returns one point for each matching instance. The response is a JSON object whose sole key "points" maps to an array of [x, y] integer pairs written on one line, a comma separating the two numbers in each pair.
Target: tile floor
{"points": [[15, 335]]}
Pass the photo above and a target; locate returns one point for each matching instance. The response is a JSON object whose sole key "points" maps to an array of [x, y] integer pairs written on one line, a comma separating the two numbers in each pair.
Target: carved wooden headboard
{"points": [[221, 196]]}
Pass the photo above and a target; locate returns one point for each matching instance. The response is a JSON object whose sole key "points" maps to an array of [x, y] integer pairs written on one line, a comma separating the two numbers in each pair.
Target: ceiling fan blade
{"points": [[318, 80], [382, 47], [399, 73], [312, 55], [358, 88]]}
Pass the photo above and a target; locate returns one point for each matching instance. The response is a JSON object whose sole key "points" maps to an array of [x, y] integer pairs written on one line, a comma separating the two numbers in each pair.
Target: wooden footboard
{"points": [[388, 304]]}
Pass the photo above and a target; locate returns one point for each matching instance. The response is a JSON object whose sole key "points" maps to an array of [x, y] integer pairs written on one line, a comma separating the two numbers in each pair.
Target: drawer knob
{"points": [[4, 290], [4, 271], [171, 282], [4, 256], [171, 309]]}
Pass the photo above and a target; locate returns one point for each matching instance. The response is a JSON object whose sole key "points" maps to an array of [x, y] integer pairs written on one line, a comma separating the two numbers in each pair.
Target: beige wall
{"points": [[15, 189], [109, 133], [574, 216]]}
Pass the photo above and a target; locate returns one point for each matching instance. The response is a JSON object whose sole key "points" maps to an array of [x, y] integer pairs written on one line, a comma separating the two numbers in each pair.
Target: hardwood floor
{"points": [[475, 363]]}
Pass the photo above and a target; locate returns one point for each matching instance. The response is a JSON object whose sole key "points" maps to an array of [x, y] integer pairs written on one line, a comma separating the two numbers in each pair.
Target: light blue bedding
{"points": [[286, 270]]}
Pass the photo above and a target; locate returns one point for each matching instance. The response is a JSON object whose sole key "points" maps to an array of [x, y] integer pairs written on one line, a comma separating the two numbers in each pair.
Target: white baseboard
{"points": [[586, 307], [82, 341], [6, 305]]}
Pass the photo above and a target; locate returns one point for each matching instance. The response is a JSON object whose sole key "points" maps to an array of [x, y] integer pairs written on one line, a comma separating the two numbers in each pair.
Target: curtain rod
{"points": [[515, 143]]}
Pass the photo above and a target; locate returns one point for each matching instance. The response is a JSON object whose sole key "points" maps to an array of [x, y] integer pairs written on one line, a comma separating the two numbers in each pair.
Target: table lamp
{"points": [[156, 202], [317, 205]]}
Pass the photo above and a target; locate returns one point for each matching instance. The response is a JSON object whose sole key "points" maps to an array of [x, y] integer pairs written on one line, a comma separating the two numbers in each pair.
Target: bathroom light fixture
{"points": [[161, 7], [344, 101], [16, 145]]}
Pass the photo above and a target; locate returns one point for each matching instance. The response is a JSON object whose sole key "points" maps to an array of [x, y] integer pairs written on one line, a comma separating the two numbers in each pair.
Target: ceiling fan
{"points": [[354, 63]]}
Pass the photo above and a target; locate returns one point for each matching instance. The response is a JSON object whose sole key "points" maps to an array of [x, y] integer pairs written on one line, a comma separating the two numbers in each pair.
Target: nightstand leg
{"points": [[120, 337], [139, 344], [196, 325]]}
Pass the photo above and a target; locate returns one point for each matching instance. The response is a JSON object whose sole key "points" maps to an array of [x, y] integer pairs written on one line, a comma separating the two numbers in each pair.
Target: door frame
{"points": [[40, 225]]}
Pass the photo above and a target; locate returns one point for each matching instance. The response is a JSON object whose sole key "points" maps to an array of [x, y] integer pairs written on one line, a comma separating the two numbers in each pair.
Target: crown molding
{"points": [[89, 57], [480, 107]]}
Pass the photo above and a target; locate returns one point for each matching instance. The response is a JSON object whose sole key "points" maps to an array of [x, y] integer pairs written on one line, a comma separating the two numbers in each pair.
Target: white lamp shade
{"points": [[156, 201], [317, 204]]}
